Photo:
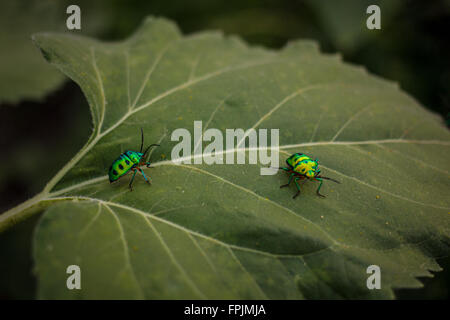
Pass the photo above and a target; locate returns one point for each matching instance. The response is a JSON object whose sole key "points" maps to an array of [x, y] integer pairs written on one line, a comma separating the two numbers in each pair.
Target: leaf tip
{"points": [[37, 41]]}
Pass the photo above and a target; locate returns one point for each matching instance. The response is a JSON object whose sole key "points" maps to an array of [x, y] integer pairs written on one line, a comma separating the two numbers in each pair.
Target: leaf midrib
{"points": [[281, 148]]}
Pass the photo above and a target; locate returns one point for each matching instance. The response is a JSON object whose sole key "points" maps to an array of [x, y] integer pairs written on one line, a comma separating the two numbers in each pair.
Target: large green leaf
{"points": [[225, 231]]}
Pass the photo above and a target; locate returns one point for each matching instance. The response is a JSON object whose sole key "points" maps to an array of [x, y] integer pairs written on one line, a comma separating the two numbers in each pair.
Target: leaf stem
{"points": [[39, 201], [21, 212]]}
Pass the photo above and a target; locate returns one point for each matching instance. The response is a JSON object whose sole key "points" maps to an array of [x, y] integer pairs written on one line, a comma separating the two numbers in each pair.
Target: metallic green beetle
{"points": [[302, 167], [130, 160]]}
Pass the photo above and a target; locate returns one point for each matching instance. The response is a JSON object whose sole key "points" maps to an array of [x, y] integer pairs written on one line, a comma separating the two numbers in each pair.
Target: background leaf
{"points": [[25, 75], [224, 231], [345, 21]]}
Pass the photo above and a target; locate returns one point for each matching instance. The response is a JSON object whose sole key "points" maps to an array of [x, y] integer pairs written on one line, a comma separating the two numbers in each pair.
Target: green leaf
{"points": [[225, 231]]}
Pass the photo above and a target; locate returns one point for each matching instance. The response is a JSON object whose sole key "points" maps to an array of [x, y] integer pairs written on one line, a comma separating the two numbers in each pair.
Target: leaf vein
{"points": [[126, 251]]}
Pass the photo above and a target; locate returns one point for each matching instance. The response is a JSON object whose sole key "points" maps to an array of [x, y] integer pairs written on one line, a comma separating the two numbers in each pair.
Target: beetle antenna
{"points": [[328, 179], [152, 145], [142, 140]]}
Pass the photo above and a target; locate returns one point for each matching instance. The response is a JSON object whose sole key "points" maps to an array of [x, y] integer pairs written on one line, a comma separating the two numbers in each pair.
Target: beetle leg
{"points": [[145, 177], [298, 187], [148, 164], [289, 182], [132, 179], [318, 189]]}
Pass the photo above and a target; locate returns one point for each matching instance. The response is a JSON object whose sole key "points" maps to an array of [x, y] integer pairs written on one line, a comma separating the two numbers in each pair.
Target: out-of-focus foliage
{"points": [[412, 49], [24, 73]]}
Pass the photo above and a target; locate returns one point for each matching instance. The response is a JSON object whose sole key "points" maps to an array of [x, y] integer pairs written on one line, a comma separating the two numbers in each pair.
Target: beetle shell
{"points": [[124, 163], [303, 164]]}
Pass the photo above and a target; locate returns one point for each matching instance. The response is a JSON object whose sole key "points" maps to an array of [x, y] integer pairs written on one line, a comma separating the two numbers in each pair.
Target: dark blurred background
{"points": [[45, 120]]}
